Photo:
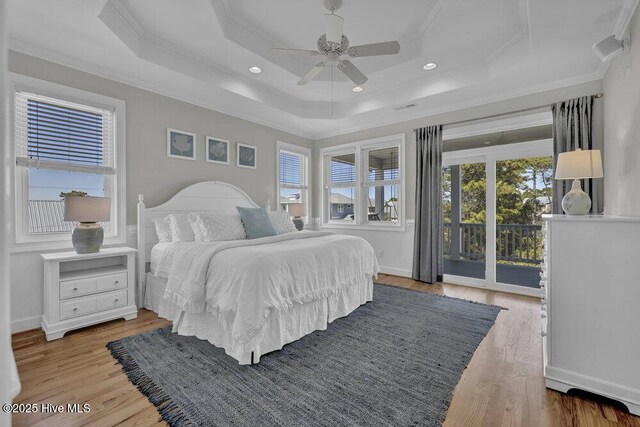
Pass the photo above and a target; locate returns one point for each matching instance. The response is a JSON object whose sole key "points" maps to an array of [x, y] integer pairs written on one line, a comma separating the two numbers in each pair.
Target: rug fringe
{"points": [[169, 411]]}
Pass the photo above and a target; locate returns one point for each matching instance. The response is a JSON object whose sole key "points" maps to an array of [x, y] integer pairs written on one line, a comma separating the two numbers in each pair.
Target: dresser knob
{"points": [[75, 308], [117, 281], [116, 300], [75, 289]]}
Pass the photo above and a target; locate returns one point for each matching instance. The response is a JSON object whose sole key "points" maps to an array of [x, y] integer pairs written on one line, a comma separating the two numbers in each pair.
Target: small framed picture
{"points": [[217, 150], [181, 144], [247, 156]]}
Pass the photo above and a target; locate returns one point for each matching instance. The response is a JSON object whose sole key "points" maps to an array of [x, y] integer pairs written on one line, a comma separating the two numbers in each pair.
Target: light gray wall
{"points": [[622, 128], [503, 107], [149, 170]]}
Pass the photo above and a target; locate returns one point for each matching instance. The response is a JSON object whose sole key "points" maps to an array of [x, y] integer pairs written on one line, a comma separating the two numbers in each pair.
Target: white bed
{"points": [[249, 297]]}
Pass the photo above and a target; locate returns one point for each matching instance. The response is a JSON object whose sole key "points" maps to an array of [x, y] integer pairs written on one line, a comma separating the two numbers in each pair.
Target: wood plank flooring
{"points": [[502, 386]]}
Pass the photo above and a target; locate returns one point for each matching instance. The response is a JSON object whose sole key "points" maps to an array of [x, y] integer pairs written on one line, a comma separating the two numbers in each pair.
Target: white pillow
{"points": [[181, 230], [221, 226], [196, 226], [162, 229], [282, 222]]}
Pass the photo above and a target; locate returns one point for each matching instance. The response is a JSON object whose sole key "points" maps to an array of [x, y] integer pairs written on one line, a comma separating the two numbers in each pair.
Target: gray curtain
{"points": [[427, 244], [573, 127]]}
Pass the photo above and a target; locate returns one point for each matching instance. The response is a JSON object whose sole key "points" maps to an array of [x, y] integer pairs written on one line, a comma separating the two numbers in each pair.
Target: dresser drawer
{"points": [[111, 300], [113, 282], [76, 288], [77, 307]]}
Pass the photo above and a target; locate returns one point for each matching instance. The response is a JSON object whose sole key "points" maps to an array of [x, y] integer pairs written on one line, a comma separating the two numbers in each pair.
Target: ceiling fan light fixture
{"points": [[429, 66], [357, 89], [255, 69]]}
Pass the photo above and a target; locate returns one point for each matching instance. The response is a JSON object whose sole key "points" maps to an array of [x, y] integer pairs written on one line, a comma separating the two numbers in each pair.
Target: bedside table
{"points": [[85, 289]]}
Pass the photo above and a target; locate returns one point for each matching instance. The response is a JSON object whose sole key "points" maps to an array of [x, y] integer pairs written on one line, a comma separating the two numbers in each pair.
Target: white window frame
{"points": [[306, 175], [361, 148], [22, 240]]}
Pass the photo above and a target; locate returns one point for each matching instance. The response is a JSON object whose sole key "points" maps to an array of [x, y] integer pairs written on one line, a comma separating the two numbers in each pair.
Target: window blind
{"points": [[343, 169], [384, 164], [290, 169], [56, 134]]}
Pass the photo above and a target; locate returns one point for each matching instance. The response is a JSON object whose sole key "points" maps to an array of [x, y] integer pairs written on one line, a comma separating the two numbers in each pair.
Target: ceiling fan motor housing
{"points": [[325, 47]]}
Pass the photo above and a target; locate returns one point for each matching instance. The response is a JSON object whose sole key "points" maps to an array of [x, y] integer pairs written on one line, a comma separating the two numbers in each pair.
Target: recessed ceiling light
{"points": [[255, 70], [357, 89], [430, 66]]}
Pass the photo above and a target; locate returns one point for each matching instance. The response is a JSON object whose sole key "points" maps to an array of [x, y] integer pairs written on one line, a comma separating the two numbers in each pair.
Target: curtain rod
{"points": [[598, 95]]}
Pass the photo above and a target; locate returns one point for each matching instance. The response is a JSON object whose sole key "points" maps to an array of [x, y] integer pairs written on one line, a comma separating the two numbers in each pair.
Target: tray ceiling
{"points": [[200, 51]]}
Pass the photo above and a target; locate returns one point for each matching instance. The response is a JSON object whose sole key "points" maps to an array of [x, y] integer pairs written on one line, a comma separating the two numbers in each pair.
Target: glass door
{"points": [[465, 218], [523, 194]]}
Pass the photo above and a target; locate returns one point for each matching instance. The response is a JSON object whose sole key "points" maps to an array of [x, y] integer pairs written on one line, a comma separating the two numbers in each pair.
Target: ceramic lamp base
{"points": [[87, 237], [576, 201], [299, 224]]}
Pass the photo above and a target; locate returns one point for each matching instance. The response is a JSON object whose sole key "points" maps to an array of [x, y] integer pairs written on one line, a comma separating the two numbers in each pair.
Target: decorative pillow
{"points": [[196, 226], [221, 226], [282, 222], [181, 230], [162, 229], [256, 222]]}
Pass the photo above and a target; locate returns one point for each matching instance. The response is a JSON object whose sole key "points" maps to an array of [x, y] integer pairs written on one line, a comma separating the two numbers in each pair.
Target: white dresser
{"points": [[591, 306], [85, 289]]}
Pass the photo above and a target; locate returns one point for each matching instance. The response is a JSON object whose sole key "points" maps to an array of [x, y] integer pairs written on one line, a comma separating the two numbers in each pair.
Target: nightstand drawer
{"points": [[76, 288], [79, 307], [110, 283], [112, 300]]}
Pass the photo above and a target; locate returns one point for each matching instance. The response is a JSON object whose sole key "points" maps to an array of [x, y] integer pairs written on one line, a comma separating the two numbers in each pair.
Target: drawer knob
{"points": [[75, 289], [116, 300], [117, 281], [75, 308]]}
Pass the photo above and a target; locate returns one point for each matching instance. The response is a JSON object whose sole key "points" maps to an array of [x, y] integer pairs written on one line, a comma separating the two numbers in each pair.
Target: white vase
{"points": [[576, 201]]}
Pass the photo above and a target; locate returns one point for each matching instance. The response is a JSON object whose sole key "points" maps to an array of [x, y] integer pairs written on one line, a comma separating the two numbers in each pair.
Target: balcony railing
{"points": [[515, 243]]}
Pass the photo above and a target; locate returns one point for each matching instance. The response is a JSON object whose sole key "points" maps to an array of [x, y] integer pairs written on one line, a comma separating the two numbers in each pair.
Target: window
{"points": [[65, 141], [363, 184], [293, 179]]}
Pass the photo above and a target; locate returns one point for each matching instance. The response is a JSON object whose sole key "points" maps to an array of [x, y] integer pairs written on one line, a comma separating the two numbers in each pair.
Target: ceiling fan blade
{"points": [[311, 74], [352, 72], [374, 49], [334, 25], [297, 51]]}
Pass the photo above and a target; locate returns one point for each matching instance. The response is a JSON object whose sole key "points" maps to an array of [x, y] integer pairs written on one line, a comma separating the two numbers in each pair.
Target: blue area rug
{"points": [[392, 362]]}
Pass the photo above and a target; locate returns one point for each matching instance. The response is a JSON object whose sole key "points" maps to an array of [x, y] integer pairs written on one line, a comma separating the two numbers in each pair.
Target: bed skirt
{"points": [[282, 326]]}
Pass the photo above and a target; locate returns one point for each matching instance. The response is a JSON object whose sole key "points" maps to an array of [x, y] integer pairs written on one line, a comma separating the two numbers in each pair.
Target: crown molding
{"points": [[164, 90]]}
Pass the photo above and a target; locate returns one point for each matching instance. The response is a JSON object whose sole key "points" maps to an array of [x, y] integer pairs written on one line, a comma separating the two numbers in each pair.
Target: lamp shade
{"points": [[579, 164], [296, 209], [87, 209]]}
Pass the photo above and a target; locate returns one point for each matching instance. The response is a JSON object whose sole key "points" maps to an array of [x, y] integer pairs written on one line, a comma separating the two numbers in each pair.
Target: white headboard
{"points": [[200, 197]]}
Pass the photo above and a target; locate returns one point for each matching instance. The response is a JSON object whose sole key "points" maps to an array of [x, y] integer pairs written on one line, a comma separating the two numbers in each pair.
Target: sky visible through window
{"points": [[45, 184]]}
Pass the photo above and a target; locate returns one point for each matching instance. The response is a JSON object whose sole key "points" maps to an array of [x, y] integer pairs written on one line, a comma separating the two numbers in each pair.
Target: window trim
{"points": [[306, 154], [21, 240], [361, 221]]}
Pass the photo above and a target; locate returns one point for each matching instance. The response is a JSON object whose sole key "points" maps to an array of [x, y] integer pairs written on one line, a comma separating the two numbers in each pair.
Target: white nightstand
{"points": [[85, 289]]}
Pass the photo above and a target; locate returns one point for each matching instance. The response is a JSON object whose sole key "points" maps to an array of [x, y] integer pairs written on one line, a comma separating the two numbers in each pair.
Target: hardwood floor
{"points": [[502, 385]]}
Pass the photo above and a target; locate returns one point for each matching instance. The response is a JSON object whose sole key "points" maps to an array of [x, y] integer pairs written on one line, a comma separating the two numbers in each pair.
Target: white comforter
{"points": [[242, 281]]}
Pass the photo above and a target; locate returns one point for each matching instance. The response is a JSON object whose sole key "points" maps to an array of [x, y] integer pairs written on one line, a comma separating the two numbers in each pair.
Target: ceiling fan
{"points": [[334, 45]]}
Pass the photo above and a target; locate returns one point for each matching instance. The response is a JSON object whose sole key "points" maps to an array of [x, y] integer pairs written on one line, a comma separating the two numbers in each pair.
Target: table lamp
{"points": [[296, 210], [577, 165], [87, 235]]}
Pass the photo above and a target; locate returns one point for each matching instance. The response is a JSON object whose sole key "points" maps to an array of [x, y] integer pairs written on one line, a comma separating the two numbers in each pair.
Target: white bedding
{"points": [[243, 285], [157, 252]]}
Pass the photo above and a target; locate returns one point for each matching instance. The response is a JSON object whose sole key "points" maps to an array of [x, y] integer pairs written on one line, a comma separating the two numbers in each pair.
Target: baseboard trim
{"points": [[395, 271], [563, 380], [26, 324]]}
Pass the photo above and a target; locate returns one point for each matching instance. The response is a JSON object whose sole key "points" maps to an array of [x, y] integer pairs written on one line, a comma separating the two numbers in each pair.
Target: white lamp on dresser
{"points": [[590, 306], [577, 165], [85, 289]]}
